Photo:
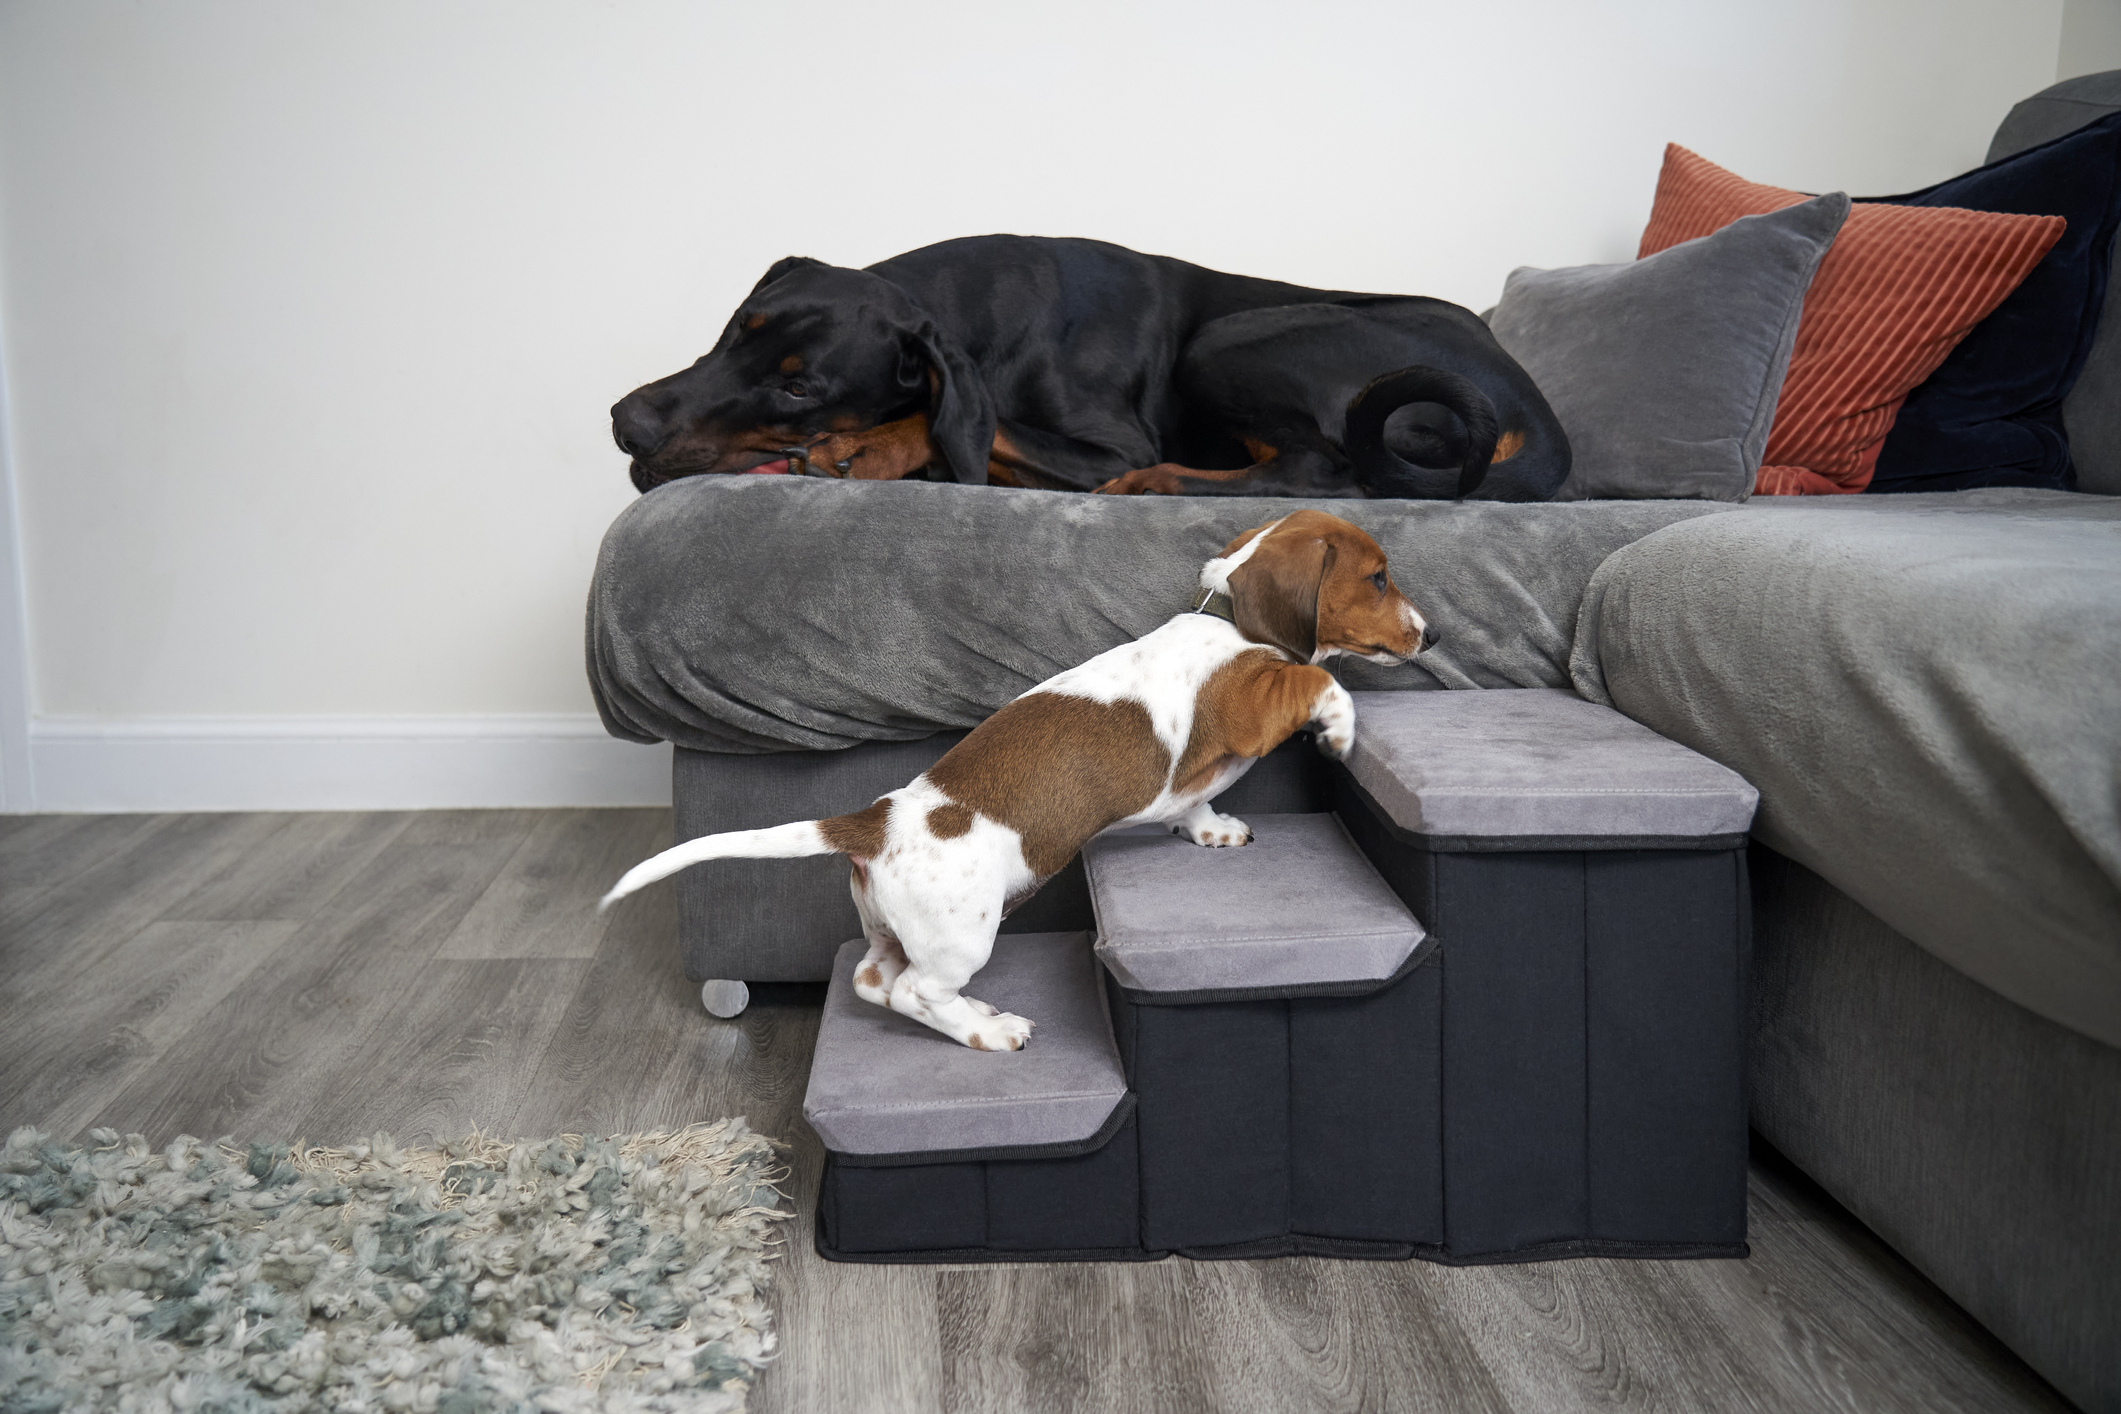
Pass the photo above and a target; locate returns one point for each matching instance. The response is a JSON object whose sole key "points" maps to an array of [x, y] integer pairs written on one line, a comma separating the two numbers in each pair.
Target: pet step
{"points": [[1538, 769], [1491, 1008], [885, 1089], [1298, 911]]}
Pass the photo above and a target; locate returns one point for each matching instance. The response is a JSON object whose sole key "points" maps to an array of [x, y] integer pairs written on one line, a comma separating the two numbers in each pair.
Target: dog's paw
{"points": [[1216, 831], [1159, 480], [871, 985], [1002, 1031], [1334, 741], [1333, 728]]}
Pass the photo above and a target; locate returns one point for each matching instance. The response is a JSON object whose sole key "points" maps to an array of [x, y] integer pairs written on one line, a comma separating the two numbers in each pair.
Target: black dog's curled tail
{"points": [[1383, 471]]}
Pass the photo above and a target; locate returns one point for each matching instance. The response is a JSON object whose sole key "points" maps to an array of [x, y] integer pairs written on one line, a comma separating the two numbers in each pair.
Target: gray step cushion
{"points": [[1298, 908], [1540, 767], [882, 1084]]}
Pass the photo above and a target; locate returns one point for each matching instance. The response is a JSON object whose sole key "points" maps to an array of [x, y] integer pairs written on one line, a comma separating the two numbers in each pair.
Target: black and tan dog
{"points": [[1076, 365]]}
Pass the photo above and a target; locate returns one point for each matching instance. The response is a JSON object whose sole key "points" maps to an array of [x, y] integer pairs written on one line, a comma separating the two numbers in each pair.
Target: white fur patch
{"points": [[1215, 575]]}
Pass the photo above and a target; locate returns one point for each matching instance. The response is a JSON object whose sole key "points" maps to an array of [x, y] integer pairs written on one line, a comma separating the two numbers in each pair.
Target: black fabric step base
{"points": [[975, 1256], [1298, 1244], [1294, 1245]]}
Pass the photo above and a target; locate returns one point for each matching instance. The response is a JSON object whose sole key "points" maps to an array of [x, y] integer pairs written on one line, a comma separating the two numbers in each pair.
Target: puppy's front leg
{"points": [[1203, 824], [1333, 720]]}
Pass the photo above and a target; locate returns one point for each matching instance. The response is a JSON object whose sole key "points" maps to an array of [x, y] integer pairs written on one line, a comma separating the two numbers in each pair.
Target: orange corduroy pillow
{"points": [[1900, 287]]}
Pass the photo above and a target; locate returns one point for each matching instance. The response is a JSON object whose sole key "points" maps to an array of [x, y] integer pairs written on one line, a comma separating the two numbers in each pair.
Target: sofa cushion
{"points": [[1900, 288], [1298, 909], [777, 613], [1923, 689], [883, 1084], [1537, 769], [2092, 412], [1991, 415], [1665, 371]]}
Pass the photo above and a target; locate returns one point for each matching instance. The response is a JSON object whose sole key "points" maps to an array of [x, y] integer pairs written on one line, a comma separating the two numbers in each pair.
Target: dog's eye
{"points": [[797, 390], [1378, 579]]}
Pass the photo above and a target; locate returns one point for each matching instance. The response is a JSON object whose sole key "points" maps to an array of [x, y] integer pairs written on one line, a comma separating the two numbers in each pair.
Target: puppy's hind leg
{"points": [[935, 998], [943, 951], [881, 965]]}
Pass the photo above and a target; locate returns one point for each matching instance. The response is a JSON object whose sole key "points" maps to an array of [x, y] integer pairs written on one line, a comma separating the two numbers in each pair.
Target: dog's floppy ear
{"points": [[1274, 594], [960, 407], [781, 267]]}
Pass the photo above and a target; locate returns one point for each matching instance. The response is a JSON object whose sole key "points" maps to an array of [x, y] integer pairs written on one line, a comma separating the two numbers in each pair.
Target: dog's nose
{"points": [[637, 427], [1429, 638]]}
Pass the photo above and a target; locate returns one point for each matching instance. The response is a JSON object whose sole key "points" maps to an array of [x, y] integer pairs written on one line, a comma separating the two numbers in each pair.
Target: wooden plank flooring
{"points": [[328, 976]]}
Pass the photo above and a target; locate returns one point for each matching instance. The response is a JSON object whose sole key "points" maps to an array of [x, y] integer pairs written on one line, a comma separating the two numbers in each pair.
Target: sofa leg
{"points": [[724, 998]]}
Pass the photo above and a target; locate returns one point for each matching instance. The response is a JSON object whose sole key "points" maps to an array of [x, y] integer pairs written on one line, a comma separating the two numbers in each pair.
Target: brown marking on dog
{"points": [[1005, 461], [1311, 586], [1248, 707], [1056, 769], [947, 822], [975, 1042], [890, 451], [845, 422], [1260, 452], [870, 976], [1508, 445], [792, 364], [1010, 465], [1163, 479], [756, 321], [860, 834], [717, 450]]}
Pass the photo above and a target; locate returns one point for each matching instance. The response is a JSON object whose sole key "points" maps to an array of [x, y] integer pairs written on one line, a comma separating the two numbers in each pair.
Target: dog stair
{"points": [[1490, 1008]]}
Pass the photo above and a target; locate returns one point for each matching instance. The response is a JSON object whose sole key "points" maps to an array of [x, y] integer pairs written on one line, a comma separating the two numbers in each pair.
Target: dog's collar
{"points": [[1216, 604]]}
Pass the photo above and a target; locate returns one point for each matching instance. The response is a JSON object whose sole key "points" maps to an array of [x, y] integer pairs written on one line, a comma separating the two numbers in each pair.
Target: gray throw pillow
{"points": [[1665, 371]]}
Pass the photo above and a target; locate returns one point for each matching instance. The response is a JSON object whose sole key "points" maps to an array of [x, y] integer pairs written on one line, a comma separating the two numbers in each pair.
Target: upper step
{"points": [[1538, 768], [1300, 909]]}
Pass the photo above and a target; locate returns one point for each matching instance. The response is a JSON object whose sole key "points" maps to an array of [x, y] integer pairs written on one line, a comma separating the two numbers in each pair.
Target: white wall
{"points": [[2091, 38], [310, 315]]}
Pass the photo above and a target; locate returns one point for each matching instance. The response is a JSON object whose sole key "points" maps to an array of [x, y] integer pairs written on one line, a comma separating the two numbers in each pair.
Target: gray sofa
{"points": [[1925, 689]]}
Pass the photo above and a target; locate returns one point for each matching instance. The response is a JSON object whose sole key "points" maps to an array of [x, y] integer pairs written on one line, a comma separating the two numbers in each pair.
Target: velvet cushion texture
{"points": [[1901, 286], [1537, 764], [1665, 372], [1299, 906], [2092, 412], [1991, 415], [882, 1083]]}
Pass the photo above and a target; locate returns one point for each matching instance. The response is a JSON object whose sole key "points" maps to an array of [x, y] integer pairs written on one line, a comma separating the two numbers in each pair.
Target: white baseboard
{"points": [[337, 763]]}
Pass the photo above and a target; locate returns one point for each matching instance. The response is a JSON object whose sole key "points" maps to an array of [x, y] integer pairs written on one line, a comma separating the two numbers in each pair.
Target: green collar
{"points": [[1216, 604]]}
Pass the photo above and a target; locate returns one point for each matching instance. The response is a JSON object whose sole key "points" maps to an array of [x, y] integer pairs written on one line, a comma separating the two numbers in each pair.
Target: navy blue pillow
{"points": [[1991, 415]]}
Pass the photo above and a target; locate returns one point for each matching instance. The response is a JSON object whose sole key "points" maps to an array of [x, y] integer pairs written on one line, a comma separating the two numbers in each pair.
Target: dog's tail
{"points": [[1382, 470], [804, 837]]}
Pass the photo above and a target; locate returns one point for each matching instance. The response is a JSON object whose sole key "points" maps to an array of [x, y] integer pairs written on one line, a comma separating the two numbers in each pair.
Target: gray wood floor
{"points": [[328, 976]]}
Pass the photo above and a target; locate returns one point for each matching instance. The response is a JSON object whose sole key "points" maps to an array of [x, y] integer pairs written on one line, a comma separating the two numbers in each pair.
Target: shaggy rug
{"points": [[566, 1275]]}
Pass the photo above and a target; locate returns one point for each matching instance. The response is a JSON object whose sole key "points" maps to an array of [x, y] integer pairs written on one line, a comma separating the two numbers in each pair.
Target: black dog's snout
{"points": [[1429, 638], [637, 427]]}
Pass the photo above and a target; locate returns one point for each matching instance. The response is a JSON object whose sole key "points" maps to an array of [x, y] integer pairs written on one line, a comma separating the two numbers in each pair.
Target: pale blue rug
{"points": [[570, 1274]]}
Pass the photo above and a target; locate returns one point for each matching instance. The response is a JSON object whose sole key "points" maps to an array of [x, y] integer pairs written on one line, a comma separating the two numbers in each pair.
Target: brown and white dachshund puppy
{"points": [[1148, 732], [1074, 365]]}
